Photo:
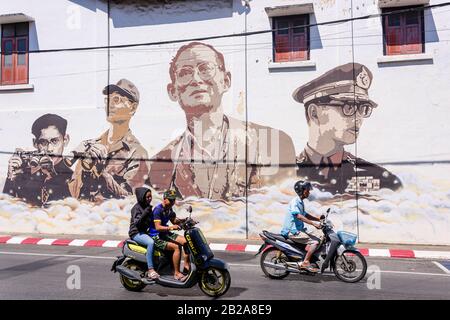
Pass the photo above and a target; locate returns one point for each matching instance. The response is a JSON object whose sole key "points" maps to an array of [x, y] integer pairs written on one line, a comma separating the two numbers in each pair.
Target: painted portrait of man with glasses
{"points": [[336, 105], [114, 164], [210, 159], [41, 175]]}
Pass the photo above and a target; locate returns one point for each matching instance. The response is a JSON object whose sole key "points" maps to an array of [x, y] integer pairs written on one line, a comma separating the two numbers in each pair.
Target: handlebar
{"points": [[188, 223]]}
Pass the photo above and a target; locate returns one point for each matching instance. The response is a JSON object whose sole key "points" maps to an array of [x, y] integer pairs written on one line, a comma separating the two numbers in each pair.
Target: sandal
{"points": [[186, 271], [309, 268], [181, 277], [153, 275]]}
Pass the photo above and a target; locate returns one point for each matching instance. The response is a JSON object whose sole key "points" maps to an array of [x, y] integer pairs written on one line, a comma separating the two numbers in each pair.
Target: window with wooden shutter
{"points": [[291, 38], [403, 32], [14, 56]]}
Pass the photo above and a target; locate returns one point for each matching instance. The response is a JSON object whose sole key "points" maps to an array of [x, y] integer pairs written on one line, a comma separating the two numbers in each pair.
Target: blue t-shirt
{"points": [[164, 215], [291, 223]]}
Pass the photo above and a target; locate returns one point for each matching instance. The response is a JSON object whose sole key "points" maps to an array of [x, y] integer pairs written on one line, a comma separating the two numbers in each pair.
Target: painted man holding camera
{"points": [[114, 164], [41, 176]]}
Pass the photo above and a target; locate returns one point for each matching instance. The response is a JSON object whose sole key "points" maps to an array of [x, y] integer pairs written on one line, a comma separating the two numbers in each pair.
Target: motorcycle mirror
{"points": [[328, 212], [189, 209]]}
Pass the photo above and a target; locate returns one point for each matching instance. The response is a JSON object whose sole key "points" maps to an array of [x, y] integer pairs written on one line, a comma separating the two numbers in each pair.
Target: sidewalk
{"points": [[223, 244]]}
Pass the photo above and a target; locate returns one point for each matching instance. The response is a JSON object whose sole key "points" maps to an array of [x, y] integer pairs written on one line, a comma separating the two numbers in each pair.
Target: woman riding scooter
{"points": [[139, 225]]}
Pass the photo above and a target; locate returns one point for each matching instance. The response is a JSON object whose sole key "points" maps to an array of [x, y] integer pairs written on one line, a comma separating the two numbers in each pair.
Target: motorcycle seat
{"points": [[130, 241], [277, 236]]}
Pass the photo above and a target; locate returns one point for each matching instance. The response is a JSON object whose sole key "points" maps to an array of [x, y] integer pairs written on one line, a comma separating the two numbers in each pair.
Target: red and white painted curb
{"points": [[388, 253]]}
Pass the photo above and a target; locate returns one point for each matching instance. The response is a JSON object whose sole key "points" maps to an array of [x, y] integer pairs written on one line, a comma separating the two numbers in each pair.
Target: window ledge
{"points": [[17, 87], [292, 65], [405, 57]]}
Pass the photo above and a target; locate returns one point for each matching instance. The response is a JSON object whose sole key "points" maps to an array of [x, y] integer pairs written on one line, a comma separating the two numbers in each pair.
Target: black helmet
{"points": [[301, 185], [170, 194]]}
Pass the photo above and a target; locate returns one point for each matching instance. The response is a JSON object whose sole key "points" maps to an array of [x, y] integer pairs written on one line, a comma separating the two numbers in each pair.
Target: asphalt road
{"points": [[40, 272]]}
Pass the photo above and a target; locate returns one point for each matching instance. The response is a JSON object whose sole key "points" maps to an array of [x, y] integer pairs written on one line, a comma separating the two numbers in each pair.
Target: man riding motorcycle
{"points": [[294, 228], [164, 238]]}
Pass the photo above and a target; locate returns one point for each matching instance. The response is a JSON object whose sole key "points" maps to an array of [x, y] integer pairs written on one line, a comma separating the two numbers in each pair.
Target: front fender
{"points": [[215, 263], [264, 247]]}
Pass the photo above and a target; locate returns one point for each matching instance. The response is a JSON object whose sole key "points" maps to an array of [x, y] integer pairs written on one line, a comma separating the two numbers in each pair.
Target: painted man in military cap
{"points": [[114, 164], [209, 159], [336, 104]]}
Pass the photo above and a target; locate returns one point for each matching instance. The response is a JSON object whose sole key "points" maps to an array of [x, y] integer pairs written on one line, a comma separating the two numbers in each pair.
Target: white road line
{"points": [[230, 264], [440, 266], [54, 255], [382, 271]]}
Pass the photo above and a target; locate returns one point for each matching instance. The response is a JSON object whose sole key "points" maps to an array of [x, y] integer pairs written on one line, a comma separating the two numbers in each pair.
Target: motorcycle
{"points": [[281, 256], [211, 274]]}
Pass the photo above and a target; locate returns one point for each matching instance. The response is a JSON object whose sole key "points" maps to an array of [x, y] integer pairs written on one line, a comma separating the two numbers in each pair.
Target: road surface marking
{"points": [[230, 264], [440, 266], [54, 255]]}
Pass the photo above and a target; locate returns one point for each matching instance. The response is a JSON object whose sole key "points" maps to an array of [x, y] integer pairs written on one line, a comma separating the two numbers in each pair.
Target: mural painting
{"points": [[226, 168]]}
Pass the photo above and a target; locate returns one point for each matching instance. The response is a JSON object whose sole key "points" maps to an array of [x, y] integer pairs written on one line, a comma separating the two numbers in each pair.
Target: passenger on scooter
{"points": [[294, 228], [140, 224], [162, 235]]}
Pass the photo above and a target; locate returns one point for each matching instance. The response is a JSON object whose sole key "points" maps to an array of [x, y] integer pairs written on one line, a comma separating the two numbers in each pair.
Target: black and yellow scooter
{"points": [[210, 273]]}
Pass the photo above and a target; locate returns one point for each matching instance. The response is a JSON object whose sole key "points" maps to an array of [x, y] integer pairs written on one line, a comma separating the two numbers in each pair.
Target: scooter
{"points": [[281, 256], [211, 274]]}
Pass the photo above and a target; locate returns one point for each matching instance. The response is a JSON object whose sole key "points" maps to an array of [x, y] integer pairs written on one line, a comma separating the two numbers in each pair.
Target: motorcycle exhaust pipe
{"points": [[130, 274], [279, 267]]}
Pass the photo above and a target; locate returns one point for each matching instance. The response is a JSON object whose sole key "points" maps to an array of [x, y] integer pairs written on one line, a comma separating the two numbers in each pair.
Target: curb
{"points": [[252, 248]]}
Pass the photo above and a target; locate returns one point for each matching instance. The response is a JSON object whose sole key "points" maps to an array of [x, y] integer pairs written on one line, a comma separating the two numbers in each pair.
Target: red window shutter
{"points": [[21, 68], [413, 31], [299, 47], [282, 48], [394, 34], [282, 43], [8, 61]]}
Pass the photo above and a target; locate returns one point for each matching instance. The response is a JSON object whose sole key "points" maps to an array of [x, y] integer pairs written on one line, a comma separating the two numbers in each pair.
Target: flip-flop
{"points": [[186, 271], [309, 268], [181, 278], [153, 275]]}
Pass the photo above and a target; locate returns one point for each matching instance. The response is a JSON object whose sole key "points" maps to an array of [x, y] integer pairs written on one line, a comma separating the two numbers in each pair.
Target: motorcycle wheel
{"points": [[274, 256], [214, 282], [357, 263], [131, 285]]}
